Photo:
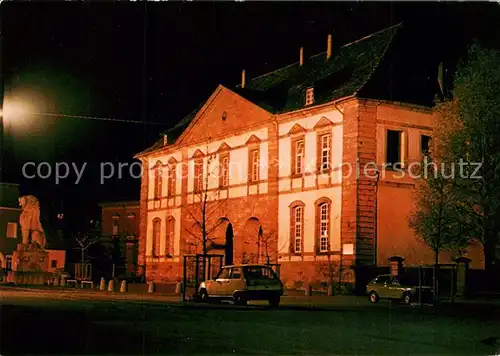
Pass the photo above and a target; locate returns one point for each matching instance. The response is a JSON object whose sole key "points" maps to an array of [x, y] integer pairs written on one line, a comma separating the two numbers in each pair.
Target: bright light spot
{"points": [[14, 110], [22, 107]]}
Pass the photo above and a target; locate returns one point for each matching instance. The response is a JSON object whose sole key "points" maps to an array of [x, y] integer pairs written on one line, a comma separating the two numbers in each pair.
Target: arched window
{"points": [[296, 227], [172, 176], [156, 237], [323, 209], [158, 180], [169, 242], [198, 175]]}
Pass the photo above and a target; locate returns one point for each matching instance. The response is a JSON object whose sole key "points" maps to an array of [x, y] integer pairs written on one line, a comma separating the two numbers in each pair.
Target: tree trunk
{"points": [[489, 262], [435, 277], [204, 237]]}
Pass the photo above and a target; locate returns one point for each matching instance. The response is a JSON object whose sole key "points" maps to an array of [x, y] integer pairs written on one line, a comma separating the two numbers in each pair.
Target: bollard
{"points": [[330, 290], [63, 281], [123, 287], [151, 288], [308, 292], [178, 288], [102, 285], [111, 286]]}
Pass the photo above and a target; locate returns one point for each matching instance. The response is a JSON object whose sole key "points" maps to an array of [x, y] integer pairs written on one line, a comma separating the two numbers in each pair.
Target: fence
{"points": [[196, 269]]}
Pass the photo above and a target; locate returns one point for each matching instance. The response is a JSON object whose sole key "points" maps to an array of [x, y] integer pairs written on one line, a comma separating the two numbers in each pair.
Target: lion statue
{"points": [[30, 221]]}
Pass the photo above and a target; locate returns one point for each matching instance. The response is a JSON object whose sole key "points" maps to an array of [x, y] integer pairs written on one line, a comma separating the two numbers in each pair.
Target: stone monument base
{"points": [[30, 265], [29, 278]]}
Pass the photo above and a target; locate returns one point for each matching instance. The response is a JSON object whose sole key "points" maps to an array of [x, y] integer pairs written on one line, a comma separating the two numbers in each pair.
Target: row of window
{"points": [[169, 237], [131, 223], [199, 174], [395, 148], [323, 154], [322, 229], [298, 166], [171, 180], [394, 157]]}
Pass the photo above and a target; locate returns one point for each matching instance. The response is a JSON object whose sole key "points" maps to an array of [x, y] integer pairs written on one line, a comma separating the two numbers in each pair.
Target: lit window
{"points": [[299, 157], [325, 152], [198, 175], [255, 165], [323, 228], [12, 230], [158, 181], [169, 243], [224, 171], [297, 228], [156, 237], [309, 96], [171, 180]]}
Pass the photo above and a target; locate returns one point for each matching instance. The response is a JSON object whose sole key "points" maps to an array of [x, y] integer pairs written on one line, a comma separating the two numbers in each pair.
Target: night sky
{"points": [[155, 62]]}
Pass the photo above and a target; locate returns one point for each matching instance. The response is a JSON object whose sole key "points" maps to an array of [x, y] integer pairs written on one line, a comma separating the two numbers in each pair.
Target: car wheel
{"points": [[240, 300], [374, 298], [204, 298], [407, 298], [274, 302]]}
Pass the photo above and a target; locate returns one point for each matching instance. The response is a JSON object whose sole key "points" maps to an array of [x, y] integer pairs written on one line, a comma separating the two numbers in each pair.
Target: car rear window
{"points": [[381, 279], [260, 273]]}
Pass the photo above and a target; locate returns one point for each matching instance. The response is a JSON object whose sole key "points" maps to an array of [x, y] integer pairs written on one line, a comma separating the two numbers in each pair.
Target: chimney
{"points": [[301, 56], [329, 47], [243, 78]]}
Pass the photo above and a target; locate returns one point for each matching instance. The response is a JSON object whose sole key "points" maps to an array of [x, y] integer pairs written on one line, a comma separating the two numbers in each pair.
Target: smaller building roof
{"points": [[112, 204]]}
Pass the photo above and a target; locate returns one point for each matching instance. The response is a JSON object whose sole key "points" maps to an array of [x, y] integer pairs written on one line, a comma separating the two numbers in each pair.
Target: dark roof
{"points": [[119, 203], [345, 73], [347, 70]]}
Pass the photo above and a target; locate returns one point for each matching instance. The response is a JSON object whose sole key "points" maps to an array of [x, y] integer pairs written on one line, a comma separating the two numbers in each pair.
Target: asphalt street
{"points": [[74, 322]]}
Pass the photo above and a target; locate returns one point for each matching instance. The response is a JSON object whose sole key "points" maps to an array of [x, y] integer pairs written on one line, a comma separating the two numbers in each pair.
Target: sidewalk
{"points": [[290, 298], [296, 299]]}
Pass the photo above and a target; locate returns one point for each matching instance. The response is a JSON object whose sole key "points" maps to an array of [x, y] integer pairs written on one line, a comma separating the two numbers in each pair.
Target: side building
{"points": [[10, 232], [119, 227]]}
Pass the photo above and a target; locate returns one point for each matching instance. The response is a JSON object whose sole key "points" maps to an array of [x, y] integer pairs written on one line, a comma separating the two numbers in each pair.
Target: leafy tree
{"points": [[475, 114], [436, 219]]}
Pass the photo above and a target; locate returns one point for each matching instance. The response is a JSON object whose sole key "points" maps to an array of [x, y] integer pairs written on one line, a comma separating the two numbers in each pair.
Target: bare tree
{"points": [[269, 242], [84, 241], [207, 203]]}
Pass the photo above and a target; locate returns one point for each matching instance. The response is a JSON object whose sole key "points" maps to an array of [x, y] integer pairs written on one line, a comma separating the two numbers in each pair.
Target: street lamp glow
{"points": [[14, 110]]}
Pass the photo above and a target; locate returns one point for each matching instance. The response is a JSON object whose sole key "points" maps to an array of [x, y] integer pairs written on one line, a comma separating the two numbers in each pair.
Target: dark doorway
{"points": [[229, 245]]}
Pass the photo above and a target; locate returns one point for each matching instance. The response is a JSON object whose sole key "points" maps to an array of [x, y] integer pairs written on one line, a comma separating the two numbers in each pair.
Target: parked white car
{"points": [[241, 283]]}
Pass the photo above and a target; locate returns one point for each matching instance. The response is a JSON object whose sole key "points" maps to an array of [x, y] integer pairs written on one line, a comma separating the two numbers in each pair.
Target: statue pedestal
{"points": [[30, 265]]}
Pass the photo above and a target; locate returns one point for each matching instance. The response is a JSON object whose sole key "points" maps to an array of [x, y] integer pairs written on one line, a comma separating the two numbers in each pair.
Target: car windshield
{"points": [[257, 272]]}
